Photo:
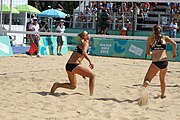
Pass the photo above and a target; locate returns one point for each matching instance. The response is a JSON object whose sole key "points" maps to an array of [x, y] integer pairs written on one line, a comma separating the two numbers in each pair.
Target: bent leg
{"points": [[162, 81], [71, 85], [86, 72], [152, 71]]}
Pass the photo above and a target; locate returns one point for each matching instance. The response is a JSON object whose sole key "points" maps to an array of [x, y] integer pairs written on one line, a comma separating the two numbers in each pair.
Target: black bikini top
{"points": [[159, 46], [79, 50]]}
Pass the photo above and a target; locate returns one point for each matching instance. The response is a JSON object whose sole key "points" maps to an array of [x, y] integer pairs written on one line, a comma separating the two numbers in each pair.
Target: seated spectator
{"points": [[87, 13], [115, 9], [45, 28]]}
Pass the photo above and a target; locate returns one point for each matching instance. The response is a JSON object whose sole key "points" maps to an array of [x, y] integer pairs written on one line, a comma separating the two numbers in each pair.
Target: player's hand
{"points": [[91, 65], [174, 54]]}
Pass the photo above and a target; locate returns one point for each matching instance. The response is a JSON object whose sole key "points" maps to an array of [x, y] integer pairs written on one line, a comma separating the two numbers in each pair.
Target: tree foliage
{"points": [[43, 5]]}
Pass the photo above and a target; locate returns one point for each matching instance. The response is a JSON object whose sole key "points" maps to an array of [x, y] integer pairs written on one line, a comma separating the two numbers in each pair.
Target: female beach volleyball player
{"points": [[74, 65], [157, 43]]}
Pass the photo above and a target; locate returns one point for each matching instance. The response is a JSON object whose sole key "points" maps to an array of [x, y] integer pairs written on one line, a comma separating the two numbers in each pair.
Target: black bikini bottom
{"points": [[70, 67], [161, 64]]}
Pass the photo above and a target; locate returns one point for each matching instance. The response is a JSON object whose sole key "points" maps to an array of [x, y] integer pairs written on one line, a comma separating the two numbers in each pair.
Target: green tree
{"points": [[43, 5]]}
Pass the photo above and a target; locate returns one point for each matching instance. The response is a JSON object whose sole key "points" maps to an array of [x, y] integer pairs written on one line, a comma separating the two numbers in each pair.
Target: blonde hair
{"points": [[80, 36]]}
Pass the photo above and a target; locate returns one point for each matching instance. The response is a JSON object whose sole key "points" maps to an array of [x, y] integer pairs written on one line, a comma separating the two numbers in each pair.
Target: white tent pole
{"points": [[10, 16], [1, 13], [25, 21], [122, 7]]}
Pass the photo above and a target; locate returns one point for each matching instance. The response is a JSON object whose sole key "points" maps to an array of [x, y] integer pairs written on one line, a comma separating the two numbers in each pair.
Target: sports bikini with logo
{"points": [[160, 46]]}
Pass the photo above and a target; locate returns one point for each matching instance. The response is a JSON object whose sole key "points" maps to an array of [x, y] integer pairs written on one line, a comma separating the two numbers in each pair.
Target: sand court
{"points": [[26, 81]]}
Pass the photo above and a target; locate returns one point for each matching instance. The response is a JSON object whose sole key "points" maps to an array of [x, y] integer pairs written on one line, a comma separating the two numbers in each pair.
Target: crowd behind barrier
{"points": [[145, 16]]}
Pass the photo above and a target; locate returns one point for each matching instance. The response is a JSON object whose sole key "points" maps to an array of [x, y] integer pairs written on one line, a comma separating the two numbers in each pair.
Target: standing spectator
{"points": [[34, 38], [60, 7], [145, 10], [87, 13], [173, 28], [34, 24], [27, 29], [104, 22], [60, 28]]}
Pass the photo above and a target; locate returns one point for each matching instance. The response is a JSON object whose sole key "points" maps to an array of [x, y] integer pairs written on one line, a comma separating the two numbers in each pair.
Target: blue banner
{"points": [[48, 46], [5, 46], [126, 48]]}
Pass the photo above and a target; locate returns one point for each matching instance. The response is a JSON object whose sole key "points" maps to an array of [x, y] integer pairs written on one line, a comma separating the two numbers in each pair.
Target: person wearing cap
{"points": [[34, 26], [60, 28]]}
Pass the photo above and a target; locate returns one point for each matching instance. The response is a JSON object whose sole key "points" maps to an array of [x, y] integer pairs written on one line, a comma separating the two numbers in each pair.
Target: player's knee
{"points": [[92, 75]]}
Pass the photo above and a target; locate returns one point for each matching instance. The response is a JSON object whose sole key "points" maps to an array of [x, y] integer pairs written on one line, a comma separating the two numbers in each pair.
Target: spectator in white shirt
{"points": [[34, 24], [173, 28], [34, 38], [60, 28]]}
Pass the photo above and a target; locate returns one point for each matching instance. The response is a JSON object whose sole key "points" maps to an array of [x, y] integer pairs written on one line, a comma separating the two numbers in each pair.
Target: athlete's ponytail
{"points": [[157, 30], [80, 36], [157, 35]]}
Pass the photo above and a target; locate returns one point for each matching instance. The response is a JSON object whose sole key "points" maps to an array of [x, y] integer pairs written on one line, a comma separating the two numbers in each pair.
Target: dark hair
{"points": [[157, 34]]}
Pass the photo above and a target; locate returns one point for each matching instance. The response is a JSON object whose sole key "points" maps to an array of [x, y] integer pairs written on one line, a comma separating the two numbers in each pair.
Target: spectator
{"points": [[146, 5], [45, 28], [109, 7], [34, 25], [34, 38], [87, 13], [145, 10], [173, 28], [60, 7], [104, 22], [94, 9], [27, 29], [125, 8], [60, 28], [115, 9]]}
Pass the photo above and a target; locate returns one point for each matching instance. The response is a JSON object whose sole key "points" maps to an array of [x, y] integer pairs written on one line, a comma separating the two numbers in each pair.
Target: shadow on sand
{"points": [[44, 93], [116, 100]]}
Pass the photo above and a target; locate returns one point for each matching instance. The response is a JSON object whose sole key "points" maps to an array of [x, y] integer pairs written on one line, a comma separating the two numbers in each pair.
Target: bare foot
{"points": [[54, 87]]}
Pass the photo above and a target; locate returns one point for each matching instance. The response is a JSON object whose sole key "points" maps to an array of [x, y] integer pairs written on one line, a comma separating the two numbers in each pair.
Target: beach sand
{"points": [[26, 81]]}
